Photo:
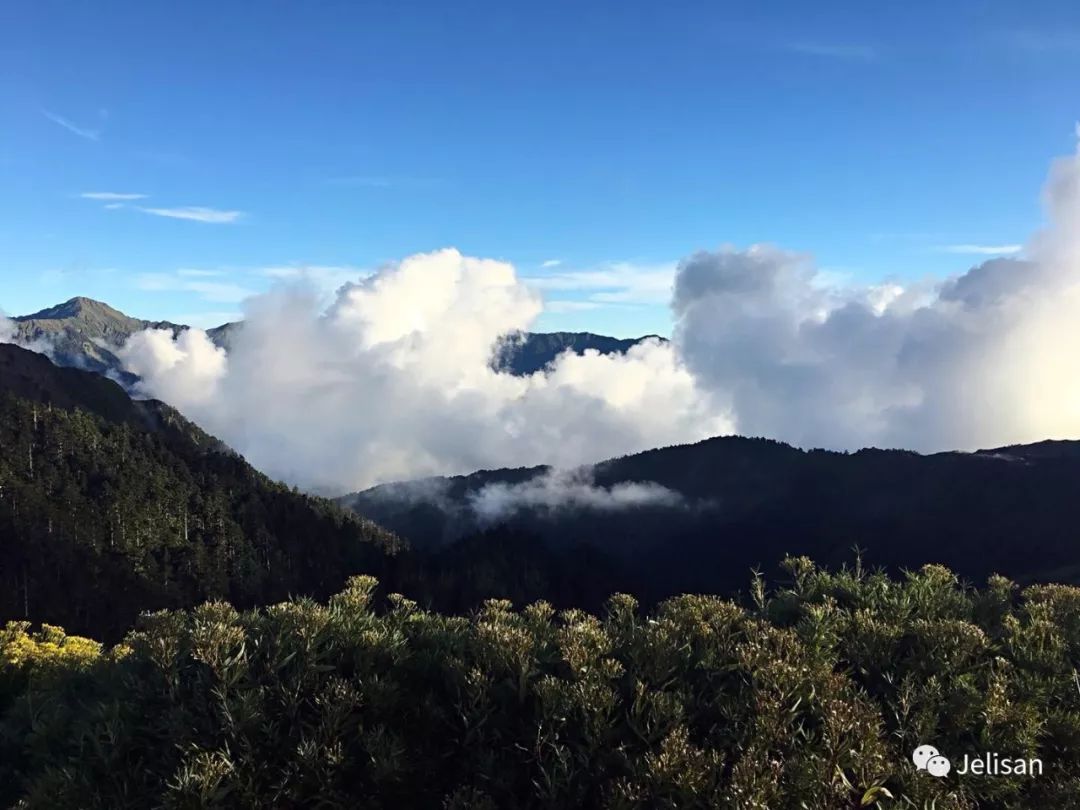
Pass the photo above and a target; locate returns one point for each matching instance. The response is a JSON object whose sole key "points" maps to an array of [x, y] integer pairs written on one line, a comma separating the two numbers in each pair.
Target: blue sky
{"points": [[591, 143]]}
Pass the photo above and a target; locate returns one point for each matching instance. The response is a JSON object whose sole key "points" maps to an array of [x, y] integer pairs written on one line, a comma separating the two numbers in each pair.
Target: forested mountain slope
{"points": [[110, 506], [731, 504], [530, 352]]}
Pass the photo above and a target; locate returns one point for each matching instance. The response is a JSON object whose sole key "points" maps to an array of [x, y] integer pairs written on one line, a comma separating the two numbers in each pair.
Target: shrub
{"points": [[814, 697]]}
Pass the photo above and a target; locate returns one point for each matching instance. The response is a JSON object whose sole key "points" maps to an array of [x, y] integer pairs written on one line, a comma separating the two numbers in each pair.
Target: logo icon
{"points": [[929, 759]]}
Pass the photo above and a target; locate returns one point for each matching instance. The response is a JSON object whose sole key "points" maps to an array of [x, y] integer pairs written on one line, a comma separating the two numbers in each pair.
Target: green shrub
{"points": [[812, 698]]}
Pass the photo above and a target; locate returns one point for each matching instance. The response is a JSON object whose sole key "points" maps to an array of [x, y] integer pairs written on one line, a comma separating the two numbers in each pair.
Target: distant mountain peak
{"points": [[77, 307], [526, 353], [85, 333]]}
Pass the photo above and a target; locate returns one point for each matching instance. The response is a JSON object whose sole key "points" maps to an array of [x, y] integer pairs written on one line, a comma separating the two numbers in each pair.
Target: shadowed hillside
{"points": [[732, 504], [110, 506], [533, 351]]}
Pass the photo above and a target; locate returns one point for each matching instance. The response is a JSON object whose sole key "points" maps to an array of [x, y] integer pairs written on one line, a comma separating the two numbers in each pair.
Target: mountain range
{"points": [[132, 494], [84, 333], [700, 517]]}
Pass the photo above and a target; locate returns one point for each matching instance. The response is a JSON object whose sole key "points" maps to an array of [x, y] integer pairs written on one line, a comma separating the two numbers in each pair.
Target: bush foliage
{"points": [[809, 696]]}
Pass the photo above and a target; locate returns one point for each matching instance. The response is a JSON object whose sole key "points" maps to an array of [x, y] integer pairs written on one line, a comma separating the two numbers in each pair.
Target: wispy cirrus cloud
{"points": [[111, 196], [623, 283], [196, 213], [562, 307], [206, 320], [75, 129], [193, 213], [218, 292], [981, 250], [550, 263], [326, 277], [841, 51]]}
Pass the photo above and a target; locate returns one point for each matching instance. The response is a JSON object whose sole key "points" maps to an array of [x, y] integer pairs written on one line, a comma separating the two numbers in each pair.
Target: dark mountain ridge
{"points": [[529, 352], [741, 503]]}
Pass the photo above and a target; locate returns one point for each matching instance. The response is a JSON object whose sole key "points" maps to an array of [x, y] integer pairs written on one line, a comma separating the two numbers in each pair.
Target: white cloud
{"points": [[82, 132], [221, 292], [550, 263], [560, 307], [982, 250], [9, 333], [328, 278], [196, 213], [208, 320], [556, 490], [113, 206], [111, 196], [392, 381], [986, 358], [184, 369], [613, 283]]}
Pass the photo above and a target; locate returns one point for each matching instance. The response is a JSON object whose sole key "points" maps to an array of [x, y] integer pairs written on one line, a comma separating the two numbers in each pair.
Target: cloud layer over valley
{"points": [[393, 380]]}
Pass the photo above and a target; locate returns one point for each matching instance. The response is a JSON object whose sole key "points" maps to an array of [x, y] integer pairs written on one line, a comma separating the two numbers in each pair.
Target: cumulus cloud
{"points": [[985, 358], [183, 370], [556, 490], [393, 380]]}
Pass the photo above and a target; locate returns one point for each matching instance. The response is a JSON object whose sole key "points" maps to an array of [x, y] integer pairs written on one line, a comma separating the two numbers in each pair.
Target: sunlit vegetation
{"points": [[812, 695]]}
